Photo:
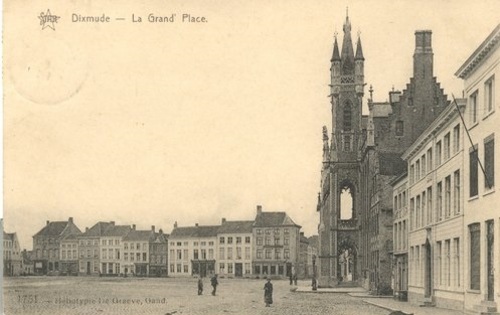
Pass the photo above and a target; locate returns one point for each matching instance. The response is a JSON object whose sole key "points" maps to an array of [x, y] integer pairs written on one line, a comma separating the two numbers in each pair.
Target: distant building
{"points": [[234, 248], [400, 237], [158, 253], [12, 261], [46, 245], [28, 266], [277, 244], [302, 265], [481, 276], [111, 250], [88, 247], [312, 255], [192, 250], [69, 255]]}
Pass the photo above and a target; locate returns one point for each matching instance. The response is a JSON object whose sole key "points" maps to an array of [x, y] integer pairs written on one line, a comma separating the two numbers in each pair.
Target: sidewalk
{"points": [[385, 302], [405, 307]]}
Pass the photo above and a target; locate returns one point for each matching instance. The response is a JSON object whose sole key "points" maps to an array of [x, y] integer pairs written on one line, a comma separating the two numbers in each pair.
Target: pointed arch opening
{"points": [[347, 202]]}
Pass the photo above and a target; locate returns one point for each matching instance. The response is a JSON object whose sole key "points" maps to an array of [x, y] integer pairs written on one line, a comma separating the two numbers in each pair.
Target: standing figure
{"points": [[295, 278], [214, 283], [268, 292], [291, 279], [200, 285]]}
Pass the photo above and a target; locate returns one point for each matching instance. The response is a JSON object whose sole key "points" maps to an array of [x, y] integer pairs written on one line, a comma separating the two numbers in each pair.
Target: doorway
{"points": [[238, 269]]}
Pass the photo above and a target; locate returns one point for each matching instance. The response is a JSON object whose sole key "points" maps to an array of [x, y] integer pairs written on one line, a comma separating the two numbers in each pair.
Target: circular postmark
{"points": [[46, 71]]}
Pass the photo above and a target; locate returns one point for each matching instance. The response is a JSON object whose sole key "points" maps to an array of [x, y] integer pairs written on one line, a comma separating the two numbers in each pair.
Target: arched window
{"points": [[347, 116], [346, 202]]}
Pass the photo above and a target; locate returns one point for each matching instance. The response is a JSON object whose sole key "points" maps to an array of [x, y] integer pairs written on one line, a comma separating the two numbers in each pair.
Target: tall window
{"points": [[475, 256], [456, 246], [473, 107], [439, 202], [456, 193], [438, 153], [429, 160], [489, 162], [347, 116], [473, 172], [429, 205], [424, 164], [447, 146], [417, 170], [447, 262], [489, 87], [399, 128], [346, 203], [447, 196], [412, 214], [439, 263], [456, 139], [412, 174], [424, 203], [417, 213]]}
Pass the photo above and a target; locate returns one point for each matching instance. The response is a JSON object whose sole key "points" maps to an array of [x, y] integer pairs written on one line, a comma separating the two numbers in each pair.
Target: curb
{"points": [[386, 307]]}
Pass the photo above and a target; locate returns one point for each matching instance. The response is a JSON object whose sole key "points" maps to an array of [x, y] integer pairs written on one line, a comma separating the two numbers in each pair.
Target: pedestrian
{"points": [[214, 283], [291, 279], [268, 293], [314, 284], [200, 285], [295, 279]]}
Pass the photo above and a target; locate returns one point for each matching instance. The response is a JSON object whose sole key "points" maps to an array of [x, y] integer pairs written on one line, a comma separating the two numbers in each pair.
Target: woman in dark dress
{"points": [[268, 293]]}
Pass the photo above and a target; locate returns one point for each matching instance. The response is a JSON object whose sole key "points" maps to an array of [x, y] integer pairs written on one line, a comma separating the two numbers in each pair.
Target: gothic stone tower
{"points": [[339, 200]]}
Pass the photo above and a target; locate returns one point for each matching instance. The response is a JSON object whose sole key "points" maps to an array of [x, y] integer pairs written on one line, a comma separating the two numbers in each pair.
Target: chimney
{"points": [[86, 229], [133, 227], [160, 231], [196, 224], [48, 222], [152, 228], [70, 220], [223, 220], [175, 224], [259, 209], [423, 56], [301, 233], [112, 222]]}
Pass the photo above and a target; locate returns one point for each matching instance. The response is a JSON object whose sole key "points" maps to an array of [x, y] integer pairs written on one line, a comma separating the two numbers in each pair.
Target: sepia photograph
{"points": [[251, 157]]}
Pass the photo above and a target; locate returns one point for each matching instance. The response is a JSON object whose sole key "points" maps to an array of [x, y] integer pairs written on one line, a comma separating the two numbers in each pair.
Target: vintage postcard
{"points": [[212, 157]]}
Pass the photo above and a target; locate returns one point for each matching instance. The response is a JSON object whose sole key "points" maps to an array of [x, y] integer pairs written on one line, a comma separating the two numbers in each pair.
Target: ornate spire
{"points": [[336, 54], [347, 55], [359, 50]]}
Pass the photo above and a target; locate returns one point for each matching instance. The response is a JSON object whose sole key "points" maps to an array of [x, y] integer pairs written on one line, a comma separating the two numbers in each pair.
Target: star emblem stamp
{"points": [[48, 20]]}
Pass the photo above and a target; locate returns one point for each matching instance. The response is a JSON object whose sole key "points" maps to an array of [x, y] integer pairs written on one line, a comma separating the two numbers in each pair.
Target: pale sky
{"points": [[148, 124]]}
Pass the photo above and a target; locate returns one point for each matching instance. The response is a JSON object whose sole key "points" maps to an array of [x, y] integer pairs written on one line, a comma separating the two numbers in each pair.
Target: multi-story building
{"points": [[186, 257], [111, 249], [312, 255], [234, 248], [277, 244], [28, 267], [302, 265], [12, 262], [136, 252], [69, 255], [435, 233], [400, 237], [481, 277], [46, 245], [88, 247], [158, 251], [355, 202]]}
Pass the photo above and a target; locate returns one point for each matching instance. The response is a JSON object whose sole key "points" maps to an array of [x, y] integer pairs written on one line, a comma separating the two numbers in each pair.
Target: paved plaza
{"points": [[85, 295]]}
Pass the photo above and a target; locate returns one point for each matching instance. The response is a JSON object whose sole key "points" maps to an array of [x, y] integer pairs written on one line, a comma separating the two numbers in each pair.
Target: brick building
{"points": [[364, 155], [46, 246]]}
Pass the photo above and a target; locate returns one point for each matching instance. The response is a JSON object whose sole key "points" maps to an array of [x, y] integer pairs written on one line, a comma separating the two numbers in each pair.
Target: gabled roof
{"points": [[314, 240], [71, 237], [97, 230], [264, 219], [53, 229], [117, 230], [236, 227], [195, 231], [143, 235]]}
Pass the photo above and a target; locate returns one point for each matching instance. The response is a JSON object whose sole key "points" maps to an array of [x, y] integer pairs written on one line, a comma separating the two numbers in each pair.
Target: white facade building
{"points": [[481, 280]]}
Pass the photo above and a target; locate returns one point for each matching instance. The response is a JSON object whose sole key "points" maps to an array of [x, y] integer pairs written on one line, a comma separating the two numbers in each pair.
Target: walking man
{"points": [[200, 285], [214, 283], [268, 293]]}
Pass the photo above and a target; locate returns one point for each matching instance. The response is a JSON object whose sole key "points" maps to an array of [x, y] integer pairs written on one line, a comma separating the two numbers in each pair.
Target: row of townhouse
{"points": [[12, 255], [446, 215], [266, 246], [60, 248]]}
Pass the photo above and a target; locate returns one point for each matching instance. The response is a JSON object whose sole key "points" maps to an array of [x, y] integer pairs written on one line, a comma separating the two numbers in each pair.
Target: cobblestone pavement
{"points": [[82, 295]]}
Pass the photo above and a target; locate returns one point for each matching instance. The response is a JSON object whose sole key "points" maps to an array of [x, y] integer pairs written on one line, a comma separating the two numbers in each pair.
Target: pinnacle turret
{"points": [[359, 50]]}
